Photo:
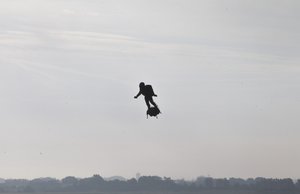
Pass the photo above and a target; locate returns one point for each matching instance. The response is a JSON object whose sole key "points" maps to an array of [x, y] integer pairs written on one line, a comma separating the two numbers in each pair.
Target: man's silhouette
{"points": [[147, 91]]}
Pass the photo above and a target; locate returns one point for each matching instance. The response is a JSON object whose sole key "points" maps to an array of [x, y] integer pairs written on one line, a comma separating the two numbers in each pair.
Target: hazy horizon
{"points": [[226, 74]]}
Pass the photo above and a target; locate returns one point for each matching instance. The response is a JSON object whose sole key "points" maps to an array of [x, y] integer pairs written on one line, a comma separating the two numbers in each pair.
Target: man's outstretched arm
{"points": [[138, 94]]}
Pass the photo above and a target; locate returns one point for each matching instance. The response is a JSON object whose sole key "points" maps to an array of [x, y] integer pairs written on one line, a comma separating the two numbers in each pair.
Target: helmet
{"points": [[142, 84]]}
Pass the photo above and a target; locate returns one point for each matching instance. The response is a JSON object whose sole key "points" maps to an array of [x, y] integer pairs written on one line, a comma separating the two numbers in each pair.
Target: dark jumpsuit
{"points": [[148, 92]]}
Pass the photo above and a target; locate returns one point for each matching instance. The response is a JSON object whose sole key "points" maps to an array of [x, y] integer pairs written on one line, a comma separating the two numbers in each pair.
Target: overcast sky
{"points": [[226, 72]]}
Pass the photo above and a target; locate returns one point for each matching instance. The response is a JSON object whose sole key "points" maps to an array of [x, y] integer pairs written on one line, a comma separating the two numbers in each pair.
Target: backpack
{"points": [[149, 90]]}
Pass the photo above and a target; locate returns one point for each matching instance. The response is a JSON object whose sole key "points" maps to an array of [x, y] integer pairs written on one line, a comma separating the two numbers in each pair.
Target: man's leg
{"points": [[147, 102], [152, 102]]}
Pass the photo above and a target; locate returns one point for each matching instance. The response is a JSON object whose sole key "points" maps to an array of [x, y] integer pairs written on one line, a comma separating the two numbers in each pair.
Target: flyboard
{"points": [[153, 112]]}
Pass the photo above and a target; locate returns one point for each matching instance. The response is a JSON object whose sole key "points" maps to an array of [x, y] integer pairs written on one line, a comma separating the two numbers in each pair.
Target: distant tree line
{"points": [[147, 183]]}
